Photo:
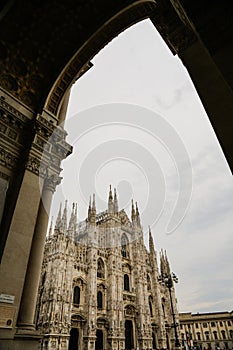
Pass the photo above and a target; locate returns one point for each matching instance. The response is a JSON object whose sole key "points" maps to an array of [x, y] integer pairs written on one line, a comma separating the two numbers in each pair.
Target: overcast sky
{"points": [[136, 121]]}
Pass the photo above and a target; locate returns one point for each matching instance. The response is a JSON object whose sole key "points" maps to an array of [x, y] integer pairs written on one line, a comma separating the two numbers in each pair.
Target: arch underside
{"points": [[46, 46], [49, 45]]}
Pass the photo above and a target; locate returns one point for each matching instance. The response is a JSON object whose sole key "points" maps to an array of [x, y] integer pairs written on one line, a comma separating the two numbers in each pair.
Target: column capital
{"points": [[48, 147], [51, 181]]}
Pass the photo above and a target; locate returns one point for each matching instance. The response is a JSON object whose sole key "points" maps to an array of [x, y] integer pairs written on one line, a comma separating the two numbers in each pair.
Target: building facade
{"points": [[100, 286], [207, 331]]}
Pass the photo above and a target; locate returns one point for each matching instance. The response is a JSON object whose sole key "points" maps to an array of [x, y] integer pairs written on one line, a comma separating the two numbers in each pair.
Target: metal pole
{"points": [[169, 285]]}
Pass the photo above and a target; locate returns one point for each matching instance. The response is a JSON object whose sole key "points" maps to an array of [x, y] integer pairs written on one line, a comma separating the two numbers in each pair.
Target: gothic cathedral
{"points": [[101, 288]]}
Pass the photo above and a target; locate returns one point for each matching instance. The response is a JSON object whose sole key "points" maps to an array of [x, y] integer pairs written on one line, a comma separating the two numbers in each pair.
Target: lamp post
{"points": [[168, 280]]}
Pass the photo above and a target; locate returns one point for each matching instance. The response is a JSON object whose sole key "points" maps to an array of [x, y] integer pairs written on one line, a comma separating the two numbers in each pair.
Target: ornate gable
{"points": [[124, 218]]}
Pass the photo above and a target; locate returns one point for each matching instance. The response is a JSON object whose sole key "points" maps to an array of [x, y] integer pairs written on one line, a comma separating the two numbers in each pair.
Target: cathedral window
{"points": [[151, 307], [163, 307], [100, 268], [207, 335], [148, 283], [198, 335], [126, 282], [99, 300], [76, 298], [124, 243]]}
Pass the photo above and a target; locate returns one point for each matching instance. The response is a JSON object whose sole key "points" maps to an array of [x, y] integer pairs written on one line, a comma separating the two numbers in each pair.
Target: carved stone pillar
{"points": [[35, 148], [30, 290]]}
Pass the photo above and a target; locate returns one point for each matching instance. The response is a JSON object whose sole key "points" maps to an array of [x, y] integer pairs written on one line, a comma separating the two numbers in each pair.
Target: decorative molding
{"points": [[50, 139], [33, 164], [14, 112], [44, 127], [7, 159], [48, 148]]}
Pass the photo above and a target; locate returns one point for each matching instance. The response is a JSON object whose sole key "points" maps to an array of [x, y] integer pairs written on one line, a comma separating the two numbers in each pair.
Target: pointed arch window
{"points": [[76, 297], [148, 283], [100, 268], [163, 307], [126, 282], [124, 246], [99, 300], [151, 306]]}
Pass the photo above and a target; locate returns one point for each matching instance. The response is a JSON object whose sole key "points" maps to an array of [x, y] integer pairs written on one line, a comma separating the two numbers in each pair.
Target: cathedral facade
{"points": [[101, 288]]}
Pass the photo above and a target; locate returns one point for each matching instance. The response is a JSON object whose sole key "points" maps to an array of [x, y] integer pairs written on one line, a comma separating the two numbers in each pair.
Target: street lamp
{"points": [[168, 280]]}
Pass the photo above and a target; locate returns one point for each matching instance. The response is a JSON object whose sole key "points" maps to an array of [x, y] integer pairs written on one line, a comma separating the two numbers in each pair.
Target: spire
{"points": [[115, 202], [132, 212], [168, 271], [73, 221], [137, 214], [71, 218], [76, 213], [151, 242], [110, 201], [75, 218], [153, 254], [93, 204], [162, 263], [89, 210], [64, 219], [92, 210], [58, 221], [51, 228]]}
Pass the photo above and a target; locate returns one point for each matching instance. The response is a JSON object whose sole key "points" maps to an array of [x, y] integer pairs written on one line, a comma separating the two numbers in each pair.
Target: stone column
{"points": [[213, 90], [30, 290]]}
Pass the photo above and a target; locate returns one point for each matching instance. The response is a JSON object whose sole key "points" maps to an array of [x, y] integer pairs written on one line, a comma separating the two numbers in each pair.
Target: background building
{"points": [[101, 288], [207, 330]]}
